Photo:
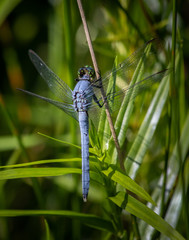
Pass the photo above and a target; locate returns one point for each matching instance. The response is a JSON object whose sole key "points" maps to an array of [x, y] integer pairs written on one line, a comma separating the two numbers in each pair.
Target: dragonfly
{"points": [[85, 101]]}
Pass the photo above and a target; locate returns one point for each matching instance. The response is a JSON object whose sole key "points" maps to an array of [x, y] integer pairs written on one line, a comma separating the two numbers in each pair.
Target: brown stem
{"points": [[99, 77]]}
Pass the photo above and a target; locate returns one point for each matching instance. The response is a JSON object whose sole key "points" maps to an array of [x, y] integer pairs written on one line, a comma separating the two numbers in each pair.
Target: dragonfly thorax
{"points": [[80, 102], [81, 99]]}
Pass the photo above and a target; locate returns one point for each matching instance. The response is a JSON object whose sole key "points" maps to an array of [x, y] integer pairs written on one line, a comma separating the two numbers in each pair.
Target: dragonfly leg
{"points": [[97, 101], [99, 82]]}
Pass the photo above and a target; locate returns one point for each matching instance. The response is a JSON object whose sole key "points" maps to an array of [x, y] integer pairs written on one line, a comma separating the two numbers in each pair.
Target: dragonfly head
{"points": [[86, 73]]}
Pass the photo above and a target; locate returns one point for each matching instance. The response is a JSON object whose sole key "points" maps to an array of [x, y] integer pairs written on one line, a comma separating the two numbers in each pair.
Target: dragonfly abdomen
{"points": [[84, 128], [81, 102]]}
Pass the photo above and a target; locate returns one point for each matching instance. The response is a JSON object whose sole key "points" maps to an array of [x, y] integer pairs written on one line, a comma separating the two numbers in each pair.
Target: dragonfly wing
{"points": [[124, 71], [133, 90], [115, 98], [120, 101], [56, 85], [116, 83], [67, 108]]}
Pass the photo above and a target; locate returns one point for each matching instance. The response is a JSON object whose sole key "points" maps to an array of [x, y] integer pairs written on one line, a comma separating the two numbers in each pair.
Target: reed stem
{"points": [[99, 77]]}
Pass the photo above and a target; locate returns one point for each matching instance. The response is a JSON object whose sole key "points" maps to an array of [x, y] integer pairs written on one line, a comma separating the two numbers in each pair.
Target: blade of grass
{"points": [[139, 210], [17, 173], [127, 105], [64, 142], [88, 219], [147, 129], [58, 140], [42, 162], [127, 183], [175, 207], [103, 126], [48, 237], [36, 172], [173, 170], [175, 113], [97, 72]]}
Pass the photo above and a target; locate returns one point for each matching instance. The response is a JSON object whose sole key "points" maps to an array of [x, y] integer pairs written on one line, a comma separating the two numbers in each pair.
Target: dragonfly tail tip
{"points": [[84, 198]]}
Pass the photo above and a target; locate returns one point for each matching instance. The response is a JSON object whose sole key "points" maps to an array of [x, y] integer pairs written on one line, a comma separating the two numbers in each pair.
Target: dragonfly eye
{"points": [[81, 72], [91, 72], [87, 72]]}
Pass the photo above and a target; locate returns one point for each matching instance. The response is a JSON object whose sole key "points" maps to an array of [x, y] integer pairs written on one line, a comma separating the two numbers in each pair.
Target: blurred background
{"points": [[54, 31]]}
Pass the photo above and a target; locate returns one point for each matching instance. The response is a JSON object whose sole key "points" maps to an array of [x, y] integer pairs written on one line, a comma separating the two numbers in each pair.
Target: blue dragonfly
{"points": [[86, 100]]}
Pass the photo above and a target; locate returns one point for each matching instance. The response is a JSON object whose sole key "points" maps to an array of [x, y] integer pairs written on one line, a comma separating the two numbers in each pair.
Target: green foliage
{"points": [[141, 211], [152, 128], [6, 7]]}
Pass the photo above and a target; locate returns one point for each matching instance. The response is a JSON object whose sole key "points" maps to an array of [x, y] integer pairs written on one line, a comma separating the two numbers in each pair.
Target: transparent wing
{"points": [[121, 77], [136, 89], [67, 108], [115, 98], [124, 71], [56, 85]]}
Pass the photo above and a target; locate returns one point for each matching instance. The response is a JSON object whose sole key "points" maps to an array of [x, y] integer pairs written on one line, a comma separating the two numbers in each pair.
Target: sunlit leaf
{"points": [[58, 140], [127, 183], [147, 129], [36, 172], [139, 210]]}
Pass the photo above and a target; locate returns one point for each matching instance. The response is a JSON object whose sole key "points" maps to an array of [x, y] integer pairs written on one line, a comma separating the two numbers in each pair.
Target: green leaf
{"points": [[141, 211], [127, 183], [58, 140], [172, 175], [147, 129], [96, 177], [127, 104], [88, 219], [44, 172], [36, 172], [42, 162], [47, 230]]}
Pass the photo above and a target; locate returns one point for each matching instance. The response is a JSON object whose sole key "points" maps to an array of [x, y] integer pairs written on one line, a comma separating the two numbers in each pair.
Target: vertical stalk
{"points": [[135, 227], [176, 113], [99, 77]]}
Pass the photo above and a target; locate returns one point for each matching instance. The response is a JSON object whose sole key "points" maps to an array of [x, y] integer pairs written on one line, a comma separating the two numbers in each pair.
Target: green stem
{"points": [[166, 166], [87, 34], [174, 88], [135, 227]]}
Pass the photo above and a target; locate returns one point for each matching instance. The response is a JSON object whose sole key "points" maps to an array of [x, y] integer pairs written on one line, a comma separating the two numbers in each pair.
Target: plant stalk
{"points": [[176, 113], [99, 77]]}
